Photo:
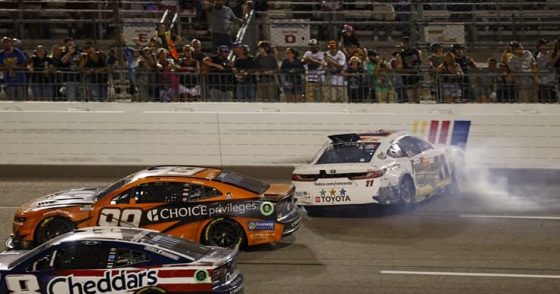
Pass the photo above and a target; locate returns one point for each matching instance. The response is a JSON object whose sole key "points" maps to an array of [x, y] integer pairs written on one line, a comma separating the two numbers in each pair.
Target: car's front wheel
{"points": [[223, 233], [407, 192], [52, 228]]}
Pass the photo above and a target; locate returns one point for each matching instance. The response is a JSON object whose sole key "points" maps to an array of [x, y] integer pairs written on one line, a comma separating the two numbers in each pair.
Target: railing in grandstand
{"points": [[153, 86]]}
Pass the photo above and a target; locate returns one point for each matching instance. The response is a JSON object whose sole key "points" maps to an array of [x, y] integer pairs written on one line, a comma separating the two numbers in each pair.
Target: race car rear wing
{"points": [[343, 138]]}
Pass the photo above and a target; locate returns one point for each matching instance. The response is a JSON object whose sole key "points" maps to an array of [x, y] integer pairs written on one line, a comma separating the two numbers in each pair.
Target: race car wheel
{"points": [[407, 192], [53, 227], [223, 233], [150, 290]]}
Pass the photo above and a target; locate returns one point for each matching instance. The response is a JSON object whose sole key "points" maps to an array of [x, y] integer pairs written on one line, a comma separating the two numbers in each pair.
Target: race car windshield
{"points": [[348, 152], [107, 190], [242, 181], [174, 244]]}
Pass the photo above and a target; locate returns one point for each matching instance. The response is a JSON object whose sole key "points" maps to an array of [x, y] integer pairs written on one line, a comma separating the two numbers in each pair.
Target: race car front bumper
{"points": [[291, 222], [233, 287]]}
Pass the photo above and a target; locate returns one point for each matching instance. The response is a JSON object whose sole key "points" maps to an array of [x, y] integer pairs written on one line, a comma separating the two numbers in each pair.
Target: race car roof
{"points": [[356, 137], [177, 171]]}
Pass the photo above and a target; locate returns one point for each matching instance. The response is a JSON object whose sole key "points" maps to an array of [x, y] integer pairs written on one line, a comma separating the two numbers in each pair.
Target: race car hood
{"points": [[338, 168], [219, 256], [277, 192], [10, 256], [73, 197]]}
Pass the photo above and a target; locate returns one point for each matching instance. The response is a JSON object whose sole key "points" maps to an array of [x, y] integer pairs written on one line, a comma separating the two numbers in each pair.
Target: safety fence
{"points": [[164, 85]]}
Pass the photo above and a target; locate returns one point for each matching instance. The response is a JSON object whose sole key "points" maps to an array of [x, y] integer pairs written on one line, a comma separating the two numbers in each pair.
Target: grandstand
{"points": [[484, 28]]}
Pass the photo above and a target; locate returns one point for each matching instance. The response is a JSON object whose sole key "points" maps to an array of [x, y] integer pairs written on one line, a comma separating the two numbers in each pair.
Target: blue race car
{"points": [[120, 260]]}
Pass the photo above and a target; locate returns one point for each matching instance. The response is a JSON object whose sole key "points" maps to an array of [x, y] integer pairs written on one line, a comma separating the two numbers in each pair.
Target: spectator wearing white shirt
{"points": [[335, 62], [522, 63], [313, 59]]}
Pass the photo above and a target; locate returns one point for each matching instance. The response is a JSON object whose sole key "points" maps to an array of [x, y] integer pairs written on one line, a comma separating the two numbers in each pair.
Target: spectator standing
{"points": [[292, 71], [267, 66], [147, 77], [522, 64], [408, 63], [467, 64], [41, 68], [506, 91], [384, 82], [371, 68], [220, 22], [437, 57], [189, 74], [357, 85], [314, 60], [93, 64], [170, 87], [69, 65], [451, 76], [486, 82], [220, 75], [56, 57], [244, 69], [348, 40], [335, 63], [199, 56], [13, 61], [547, 92], [400, 89]]}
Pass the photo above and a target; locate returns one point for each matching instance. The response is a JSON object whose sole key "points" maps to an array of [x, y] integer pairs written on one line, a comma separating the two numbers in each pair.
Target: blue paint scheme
{"points": [[460, 133]]}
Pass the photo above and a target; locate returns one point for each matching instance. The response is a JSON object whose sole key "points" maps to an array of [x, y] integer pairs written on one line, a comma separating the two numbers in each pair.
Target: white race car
{"points": [[376, 168]]}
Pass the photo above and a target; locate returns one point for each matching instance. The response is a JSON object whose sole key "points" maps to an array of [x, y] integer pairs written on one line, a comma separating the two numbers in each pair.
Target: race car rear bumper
{"points": [[387, 196], [291, 222], [16, 242]]}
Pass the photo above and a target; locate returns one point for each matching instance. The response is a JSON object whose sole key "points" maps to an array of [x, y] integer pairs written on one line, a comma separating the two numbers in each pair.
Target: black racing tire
{"points": [[407, 192], [51, 228], [223, 232], [150, 290]]}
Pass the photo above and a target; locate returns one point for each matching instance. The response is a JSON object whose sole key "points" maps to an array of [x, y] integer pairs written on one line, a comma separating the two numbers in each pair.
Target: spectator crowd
{"points": [[171, 68]]}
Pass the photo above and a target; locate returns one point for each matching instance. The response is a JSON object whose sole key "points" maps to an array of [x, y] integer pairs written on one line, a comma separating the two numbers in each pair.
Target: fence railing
{"points": [[139, 85]]}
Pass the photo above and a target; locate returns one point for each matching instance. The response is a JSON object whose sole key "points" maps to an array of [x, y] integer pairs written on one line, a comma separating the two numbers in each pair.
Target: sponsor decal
{"points": [[203, 211], [161, 252], [267, 208], [349, 183], [333, 196], [261, 226], [263, 235], [201, 275], [109, 283], [439, 131]]}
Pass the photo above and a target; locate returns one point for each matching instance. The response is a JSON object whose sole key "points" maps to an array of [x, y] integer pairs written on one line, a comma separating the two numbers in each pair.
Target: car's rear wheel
{"points": [[407, 192], [223, 232], [53, 227], [150, 290]]}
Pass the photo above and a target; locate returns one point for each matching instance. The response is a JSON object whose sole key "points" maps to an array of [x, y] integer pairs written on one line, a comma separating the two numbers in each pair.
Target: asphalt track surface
{"points": [[495, 237]]}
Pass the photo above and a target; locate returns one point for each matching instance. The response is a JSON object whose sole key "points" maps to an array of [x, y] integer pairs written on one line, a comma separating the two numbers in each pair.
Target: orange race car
{"points": [[206, 205]]}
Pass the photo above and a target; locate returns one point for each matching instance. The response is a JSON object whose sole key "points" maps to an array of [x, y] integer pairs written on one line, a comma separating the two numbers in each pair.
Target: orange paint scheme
{"points": [[187, 202]]}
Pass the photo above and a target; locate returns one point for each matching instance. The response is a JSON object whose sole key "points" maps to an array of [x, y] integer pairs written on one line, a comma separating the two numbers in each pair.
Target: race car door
{"points": [[421, 156]]}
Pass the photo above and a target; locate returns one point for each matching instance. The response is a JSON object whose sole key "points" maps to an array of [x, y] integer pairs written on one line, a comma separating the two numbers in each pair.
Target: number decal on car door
{"points": [[22, 284], [129, 217]]}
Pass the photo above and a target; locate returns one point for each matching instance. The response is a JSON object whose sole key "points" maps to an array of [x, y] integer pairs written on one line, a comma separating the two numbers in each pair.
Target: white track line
{"points": [[496, 275], [510, 216]]}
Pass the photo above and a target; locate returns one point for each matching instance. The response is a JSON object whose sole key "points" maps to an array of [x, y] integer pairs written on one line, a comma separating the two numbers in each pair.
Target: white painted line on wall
{"points": [[511, 216], [496, 275]]}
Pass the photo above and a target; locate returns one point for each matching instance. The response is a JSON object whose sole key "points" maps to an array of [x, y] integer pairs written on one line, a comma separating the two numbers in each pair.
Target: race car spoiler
{"points": [[342, 138]]}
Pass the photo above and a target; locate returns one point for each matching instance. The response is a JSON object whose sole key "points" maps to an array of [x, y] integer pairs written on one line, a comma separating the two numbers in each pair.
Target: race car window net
{"points": [[348, 152], [242, 181], [122, 257], [174, 244]]}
